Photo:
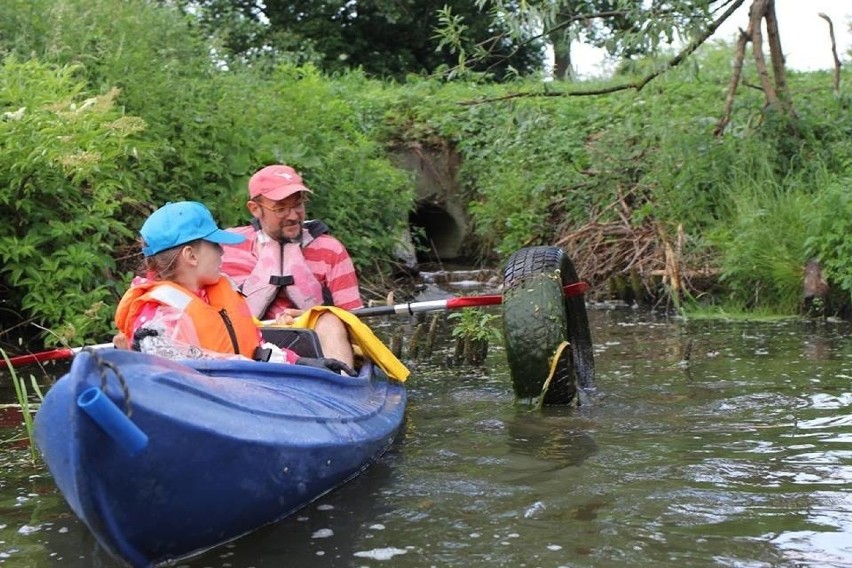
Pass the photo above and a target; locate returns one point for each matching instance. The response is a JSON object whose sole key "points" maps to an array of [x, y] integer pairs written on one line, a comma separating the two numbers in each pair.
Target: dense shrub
{"points": [[322, 127], [538, 167], [831, 238], [64, 193], [207, 129], [125, 108]]}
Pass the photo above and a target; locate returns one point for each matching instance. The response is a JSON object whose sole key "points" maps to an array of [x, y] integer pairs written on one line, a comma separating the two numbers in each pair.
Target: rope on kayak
{"points": [[103, 367]]}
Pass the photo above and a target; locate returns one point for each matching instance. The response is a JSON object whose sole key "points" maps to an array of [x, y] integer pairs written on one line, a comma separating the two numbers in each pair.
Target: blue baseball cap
{"points": [[179, 223]]}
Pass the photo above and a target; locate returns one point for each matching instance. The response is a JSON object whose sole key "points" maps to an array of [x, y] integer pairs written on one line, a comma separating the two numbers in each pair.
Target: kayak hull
{"points": [[217, 448]]}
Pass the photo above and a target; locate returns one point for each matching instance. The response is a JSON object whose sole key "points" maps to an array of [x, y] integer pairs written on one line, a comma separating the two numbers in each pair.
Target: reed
{"points": [[22, 395]]}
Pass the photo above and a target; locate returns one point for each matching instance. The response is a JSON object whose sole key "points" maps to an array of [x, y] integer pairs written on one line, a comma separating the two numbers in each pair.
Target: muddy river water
{"points": [[709, 443]]}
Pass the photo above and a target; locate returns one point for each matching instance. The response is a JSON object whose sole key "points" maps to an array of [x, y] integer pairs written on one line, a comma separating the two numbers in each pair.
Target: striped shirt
{"points": [[325, 256]]}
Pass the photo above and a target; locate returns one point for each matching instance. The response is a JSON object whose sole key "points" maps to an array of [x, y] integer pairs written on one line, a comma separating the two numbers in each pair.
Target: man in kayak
{"points": [[184, 308], [286, 264]]}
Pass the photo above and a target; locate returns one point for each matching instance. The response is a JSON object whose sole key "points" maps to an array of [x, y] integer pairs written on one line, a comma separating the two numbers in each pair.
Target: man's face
{"points": [[281, 220]]}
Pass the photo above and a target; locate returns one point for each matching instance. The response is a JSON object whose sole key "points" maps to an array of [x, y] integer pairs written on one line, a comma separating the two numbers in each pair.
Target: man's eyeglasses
{"points": [[284, 210]]}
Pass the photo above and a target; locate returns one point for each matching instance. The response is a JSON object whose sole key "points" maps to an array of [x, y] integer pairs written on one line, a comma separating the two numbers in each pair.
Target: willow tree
{"points": [[633, 29]]}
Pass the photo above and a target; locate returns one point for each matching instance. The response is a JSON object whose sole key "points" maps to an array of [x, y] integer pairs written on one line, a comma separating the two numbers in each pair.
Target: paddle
{"points": [[576, 289], [52, 355]]}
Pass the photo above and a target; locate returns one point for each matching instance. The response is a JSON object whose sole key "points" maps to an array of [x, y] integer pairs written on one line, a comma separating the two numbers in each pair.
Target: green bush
{"points": [[165, 75], [538, 167], [207, 128], [761, 247], [63, 194], [318, 125], [210, 126]]}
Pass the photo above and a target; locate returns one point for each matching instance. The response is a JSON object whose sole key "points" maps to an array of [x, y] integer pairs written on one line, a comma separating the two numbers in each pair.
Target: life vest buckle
{"points": [[281, 280]]}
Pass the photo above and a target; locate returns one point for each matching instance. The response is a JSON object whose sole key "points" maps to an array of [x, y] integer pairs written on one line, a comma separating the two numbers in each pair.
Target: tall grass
{"points": [[760, 239], [831, 241], [23, 397]]}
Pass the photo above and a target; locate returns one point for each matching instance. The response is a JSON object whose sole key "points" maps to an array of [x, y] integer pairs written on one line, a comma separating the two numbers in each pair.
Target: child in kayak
{"points": [[184, 308]]}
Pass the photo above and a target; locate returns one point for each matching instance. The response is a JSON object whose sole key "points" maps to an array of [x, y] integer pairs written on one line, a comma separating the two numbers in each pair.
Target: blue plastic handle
{"points": [[112, 420]]}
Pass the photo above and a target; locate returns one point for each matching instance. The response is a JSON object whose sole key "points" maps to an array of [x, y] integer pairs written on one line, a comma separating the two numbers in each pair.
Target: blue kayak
{"points": [[163, 460]]}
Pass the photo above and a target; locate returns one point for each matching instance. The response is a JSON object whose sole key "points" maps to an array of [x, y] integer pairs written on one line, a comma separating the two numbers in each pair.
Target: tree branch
{"points": [[833, 53], [637, 85], [776, 55], [756, 13], [735, 79]]}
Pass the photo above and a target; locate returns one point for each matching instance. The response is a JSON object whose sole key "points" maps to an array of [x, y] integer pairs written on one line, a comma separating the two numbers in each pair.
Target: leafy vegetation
{"points": [[637, 185], [383, 39], [473, 330], [831, 238], [120, 108], [763, 247], [64, 195], [112, 108], [475, 325]]}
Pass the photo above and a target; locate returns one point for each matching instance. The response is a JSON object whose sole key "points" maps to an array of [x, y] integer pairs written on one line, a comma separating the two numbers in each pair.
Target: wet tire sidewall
{"points": [[537, 317], [534, 316]]}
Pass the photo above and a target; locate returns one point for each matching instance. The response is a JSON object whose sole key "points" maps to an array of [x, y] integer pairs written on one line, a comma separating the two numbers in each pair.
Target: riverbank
{"points": [[666, 193]]}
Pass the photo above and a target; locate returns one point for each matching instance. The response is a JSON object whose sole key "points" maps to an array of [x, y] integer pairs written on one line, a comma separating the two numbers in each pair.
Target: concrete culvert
{"points": [[437, 234]]}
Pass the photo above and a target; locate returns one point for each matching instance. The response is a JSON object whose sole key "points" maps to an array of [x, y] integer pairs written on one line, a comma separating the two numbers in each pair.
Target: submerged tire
{"points": [[537, 318]]}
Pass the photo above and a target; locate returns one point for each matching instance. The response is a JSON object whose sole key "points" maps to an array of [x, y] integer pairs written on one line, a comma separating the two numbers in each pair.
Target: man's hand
{"points": [[288, 316], [326, 363]]}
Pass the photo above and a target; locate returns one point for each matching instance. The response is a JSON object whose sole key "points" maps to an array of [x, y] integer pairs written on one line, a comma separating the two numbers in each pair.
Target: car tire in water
{"points": [[537, 318]]}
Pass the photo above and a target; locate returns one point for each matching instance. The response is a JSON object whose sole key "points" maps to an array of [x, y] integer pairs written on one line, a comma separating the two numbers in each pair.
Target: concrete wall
{"points": [[441, 212]]}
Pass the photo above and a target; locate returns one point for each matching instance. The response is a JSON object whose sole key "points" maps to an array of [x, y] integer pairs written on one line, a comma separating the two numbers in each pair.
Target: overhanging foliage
{"points": [[120, 107]]}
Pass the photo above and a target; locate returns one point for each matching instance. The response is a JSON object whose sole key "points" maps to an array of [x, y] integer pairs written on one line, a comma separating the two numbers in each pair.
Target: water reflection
{"points": [[555, 439]]}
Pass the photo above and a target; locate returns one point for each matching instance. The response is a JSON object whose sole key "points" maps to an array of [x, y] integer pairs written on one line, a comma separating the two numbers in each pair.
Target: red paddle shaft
{"points": [[576, 289], [52, 355]]}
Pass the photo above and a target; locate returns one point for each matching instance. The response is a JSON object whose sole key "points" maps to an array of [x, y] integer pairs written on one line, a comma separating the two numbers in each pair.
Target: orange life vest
{"points": [[225, 325]]}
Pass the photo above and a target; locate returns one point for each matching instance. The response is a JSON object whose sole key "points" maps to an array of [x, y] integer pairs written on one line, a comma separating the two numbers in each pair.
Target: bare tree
{"points": [[774, 85]]}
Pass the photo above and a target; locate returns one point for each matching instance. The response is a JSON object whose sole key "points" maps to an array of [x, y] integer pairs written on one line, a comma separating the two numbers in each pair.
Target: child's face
{"points": [[209, 262]]}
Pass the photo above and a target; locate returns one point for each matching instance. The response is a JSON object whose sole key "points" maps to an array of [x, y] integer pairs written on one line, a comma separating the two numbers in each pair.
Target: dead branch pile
{"points": [[641, 256]]}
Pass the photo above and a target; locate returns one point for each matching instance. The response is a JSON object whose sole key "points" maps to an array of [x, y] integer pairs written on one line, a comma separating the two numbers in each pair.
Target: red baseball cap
{"points": [[276, 183]]}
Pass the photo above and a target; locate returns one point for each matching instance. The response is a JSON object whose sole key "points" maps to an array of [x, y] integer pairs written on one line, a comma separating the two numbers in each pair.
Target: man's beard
{"points": [[286, 240]]}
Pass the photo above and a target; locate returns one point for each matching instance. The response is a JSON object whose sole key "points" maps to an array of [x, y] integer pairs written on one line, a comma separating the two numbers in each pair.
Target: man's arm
{"points": [[328, 256]]}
